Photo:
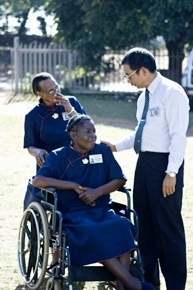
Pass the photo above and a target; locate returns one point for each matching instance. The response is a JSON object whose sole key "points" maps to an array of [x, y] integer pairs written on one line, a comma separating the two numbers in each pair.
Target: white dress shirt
{"points": [[166, 121]]}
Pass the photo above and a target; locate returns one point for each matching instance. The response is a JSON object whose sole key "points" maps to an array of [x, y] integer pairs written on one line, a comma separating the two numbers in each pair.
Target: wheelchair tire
{"points": [[107, 286], [33, 246], [50, 284], [57, 285], [53, 284]]}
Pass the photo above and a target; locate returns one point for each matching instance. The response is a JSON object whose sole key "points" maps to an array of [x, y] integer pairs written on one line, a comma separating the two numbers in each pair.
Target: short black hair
{"points": [[77, 120], [43, 76], [138, 57]]}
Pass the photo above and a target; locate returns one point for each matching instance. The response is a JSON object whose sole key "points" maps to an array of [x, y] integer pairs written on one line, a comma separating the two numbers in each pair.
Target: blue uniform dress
{"points": [[94, 233], [45, 126]]}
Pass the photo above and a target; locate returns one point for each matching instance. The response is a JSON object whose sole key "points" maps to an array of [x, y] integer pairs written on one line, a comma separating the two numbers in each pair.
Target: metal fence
{"points": [[66, 66]]}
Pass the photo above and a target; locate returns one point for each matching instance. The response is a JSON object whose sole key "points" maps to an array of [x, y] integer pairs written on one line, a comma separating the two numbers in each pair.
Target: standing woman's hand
{"points": [[61, 100], [38, 153], [40, 156]]}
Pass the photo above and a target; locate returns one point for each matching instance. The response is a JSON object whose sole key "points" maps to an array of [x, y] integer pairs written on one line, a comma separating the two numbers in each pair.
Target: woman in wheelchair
{"points": [[84, 174]]}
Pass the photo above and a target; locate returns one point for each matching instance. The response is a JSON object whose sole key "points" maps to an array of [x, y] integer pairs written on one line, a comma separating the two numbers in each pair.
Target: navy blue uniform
{"points": [[45, 129], [45, 126], [94, 233]]}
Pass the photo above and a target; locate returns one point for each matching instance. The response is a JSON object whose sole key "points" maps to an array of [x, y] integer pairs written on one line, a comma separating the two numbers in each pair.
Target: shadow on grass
{"points": [[76, 285]]}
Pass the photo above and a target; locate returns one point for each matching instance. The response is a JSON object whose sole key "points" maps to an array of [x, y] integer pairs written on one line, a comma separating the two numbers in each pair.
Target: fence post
{"points": [[70, 69], [16, 62]]}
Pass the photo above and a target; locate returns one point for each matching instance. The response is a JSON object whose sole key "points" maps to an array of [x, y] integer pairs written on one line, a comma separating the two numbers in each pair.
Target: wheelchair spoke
{"points": [[33, 244], [30, 266]]}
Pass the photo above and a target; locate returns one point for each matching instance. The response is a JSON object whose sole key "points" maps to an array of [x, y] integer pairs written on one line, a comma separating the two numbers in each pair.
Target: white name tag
{"points": [[154, 112], [65, 116], [97, 158]]}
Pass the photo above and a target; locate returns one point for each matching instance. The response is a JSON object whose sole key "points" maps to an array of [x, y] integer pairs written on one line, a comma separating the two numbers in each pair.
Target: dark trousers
{"points": [[161, 230]]}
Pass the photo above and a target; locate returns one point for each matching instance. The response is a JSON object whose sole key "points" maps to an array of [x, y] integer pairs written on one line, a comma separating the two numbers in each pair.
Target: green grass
{"points": [[109, 107], [100, 106]]}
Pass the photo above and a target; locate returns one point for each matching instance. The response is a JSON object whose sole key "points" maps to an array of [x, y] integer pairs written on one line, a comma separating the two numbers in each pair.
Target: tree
{"points": [[20, 10], [5, 12], [93, 26], [173, 20]]}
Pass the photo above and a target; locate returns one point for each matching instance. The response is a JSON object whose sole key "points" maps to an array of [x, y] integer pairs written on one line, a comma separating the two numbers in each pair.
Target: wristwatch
{"points": [[171, 174]]}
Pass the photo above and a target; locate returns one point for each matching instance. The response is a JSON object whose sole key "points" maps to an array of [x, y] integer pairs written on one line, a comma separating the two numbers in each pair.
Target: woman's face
{"points": [[47, 91], [84, 136]]}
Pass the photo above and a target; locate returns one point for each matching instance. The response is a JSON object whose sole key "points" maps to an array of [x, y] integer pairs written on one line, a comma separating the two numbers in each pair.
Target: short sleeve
{"points": [[76, 104], [49, 169], [30, 138], [55, 163]]}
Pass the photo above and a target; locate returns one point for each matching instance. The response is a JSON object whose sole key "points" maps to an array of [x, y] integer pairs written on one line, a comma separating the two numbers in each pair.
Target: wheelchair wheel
{"points": [[33, 246], [50, 284], [107, 286], [53, 284]]}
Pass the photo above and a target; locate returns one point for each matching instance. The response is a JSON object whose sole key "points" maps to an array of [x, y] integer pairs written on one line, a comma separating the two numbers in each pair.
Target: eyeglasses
{"points": [[129, 76], [53, 91]]}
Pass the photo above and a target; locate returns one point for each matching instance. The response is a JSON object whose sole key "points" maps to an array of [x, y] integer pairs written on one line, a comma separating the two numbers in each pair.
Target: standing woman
{"points": [[45, 124]]}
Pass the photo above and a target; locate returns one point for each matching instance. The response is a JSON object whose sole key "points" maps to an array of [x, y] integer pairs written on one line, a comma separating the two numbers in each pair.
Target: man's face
{"points": [[134, 77]]}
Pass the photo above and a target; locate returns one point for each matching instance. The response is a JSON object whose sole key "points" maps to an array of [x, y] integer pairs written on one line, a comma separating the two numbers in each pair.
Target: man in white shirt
{"points": [[158, 182]]}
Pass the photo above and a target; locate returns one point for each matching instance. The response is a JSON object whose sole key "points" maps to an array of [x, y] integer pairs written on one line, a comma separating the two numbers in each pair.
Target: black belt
{"points": [[152, 152]]}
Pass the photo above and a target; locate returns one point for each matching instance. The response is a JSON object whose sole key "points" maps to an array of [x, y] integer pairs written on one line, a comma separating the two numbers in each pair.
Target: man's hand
{"points": [[169, 184], [112, 147]]}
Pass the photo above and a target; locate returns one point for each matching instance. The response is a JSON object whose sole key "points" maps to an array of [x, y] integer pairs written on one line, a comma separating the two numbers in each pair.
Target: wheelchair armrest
{"points": [[49, 195], [48, 189], [126, 190], [50, 203], [124, 209]]}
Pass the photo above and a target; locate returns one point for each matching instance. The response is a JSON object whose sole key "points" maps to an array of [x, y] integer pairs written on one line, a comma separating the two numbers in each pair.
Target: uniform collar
{"points": [[41, 103], [152, 87]]}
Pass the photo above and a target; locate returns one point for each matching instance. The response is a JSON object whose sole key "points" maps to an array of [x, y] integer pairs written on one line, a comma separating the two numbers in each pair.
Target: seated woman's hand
{"points": [[88, 195], [79, 189]]}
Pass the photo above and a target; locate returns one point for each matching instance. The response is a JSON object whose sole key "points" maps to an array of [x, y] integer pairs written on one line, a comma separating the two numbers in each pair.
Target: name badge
{"points": [[97, 158], [154, 112], [65, 116]]}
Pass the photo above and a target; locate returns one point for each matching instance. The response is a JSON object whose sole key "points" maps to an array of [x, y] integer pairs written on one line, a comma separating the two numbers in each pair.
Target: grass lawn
{"points": [[114, 119]]}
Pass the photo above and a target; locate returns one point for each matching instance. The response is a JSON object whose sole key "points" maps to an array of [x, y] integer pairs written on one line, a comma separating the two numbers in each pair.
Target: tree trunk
{"points": [[176, 56], [22, 28]]}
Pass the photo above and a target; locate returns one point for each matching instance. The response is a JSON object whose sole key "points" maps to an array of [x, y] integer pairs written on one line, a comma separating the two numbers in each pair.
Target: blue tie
{"points": [[138, 135]]}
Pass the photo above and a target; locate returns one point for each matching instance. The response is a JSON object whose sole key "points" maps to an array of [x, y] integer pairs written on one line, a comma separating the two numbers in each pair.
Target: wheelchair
{"points": [[41, 233]]}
